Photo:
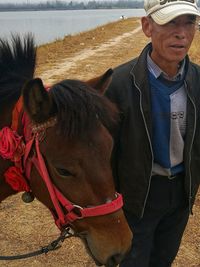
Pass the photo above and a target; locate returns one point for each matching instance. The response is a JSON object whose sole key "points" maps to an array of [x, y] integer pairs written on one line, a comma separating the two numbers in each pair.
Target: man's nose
{"points": [[181, 32]]}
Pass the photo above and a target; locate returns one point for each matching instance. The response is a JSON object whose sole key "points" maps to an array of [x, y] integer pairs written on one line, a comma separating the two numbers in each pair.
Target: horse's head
{"points": [[73, 121]]}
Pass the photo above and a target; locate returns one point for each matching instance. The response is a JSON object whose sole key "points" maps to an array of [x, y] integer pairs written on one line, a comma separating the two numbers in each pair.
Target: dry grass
{"points": [[25, 227], [49, 54]]}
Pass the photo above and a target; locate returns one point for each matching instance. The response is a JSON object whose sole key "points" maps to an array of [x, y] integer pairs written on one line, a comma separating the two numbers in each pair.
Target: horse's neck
{"points": [[5, 190], [6, 115]]}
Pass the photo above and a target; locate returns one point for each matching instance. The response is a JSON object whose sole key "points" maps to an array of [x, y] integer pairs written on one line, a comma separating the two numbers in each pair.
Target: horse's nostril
{"points": [[114, 260]]}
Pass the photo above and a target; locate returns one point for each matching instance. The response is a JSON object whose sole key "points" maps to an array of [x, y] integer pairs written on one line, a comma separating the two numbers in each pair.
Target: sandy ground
{"points": [[26, 227]]}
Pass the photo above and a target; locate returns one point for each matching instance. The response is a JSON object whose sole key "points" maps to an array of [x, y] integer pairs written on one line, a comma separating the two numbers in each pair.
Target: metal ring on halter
{"points": [[77, 206], [77, 210]]}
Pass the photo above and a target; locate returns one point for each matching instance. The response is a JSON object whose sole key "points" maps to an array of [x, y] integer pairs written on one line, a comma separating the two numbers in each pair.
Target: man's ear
{"points": [[146, 26]]}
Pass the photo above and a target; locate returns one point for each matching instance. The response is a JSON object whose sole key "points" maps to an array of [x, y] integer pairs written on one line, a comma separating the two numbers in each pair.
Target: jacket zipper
{"points": [[145, 200], [190, 176]]}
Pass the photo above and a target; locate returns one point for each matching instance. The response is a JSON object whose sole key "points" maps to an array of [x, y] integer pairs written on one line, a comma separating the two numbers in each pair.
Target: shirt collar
{"points": [[157, 72]]}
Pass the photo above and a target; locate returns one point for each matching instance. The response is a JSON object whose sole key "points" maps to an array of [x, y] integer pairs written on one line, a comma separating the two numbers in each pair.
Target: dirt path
{"points": [[25, 227], [66, 64], [92, 53]]}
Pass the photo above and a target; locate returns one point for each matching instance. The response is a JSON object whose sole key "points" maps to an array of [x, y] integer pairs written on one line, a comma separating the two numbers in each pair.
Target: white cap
{"points": [[163, 11]]}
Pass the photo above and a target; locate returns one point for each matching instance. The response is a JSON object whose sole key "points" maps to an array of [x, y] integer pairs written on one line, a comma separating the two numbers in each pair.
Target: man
{"points": [[156, 157]]}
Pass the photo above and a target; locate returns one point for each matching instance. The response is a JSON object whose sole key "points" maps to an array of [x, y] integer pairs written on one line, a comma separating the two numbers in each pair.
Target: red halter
{"points": [[66, 211]]}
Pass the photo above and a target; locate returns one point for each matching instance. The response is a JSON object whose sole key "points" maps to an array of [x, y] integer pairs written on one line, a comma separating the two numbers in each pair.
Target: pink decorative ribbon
{"points": [[11, 145]]}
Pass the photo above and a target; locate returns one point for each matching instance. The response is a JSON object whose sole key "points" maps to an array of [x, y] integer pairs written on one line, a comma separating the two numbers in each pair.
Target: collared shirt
{"points": [[157, 72], [176, 120]]}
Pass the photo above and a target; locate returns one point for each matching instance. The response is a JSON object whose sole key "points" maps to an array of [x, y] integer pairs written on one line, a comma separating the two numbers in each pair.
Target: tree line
{"points": [[72, 5]]}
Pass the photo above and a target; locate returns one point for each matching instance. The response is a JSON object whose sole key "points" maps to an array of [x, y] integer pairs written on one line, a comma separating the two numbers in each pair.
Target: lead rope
{"points": [[55, 244]]}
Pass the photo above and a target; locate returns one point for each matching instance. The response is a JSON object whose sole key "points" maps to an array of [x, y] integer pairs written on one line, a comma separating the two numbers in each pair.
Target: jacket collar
{"points": [[139, 73], [140, 70]]}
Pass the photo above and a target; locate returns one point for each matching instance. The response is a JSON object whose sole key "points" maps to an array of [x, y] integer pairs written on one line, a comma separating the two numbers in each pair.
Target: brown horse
{"points": [[63, 150]]}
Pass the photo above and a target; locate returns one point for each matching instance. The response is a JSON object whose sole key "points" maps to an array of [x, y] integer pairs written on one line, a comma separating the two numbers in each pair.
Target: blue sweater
{"points": [[168, 118]]}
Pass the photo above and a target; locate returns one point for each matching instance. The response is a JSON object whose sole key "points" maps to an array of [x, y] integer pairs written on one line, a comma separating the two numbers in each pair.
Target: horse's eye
{"points": [[63, 172]]}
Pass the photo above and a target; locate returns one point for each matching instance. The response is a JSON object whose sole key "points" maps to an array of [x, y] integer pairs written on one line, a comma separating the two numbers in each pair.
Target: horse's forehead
{"points": [[56, 143], [70, 83]]}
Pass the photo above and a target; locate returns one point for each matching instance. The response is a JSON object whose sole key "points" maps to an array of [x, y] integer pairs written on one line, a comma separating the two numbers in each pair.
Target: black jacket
{"points": [[132, 154]]}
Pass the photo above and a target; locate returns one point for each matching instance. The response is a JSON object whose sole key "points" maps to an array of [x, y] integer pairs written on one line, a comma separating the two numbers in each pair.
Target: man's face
{"points": [[170, 41]]}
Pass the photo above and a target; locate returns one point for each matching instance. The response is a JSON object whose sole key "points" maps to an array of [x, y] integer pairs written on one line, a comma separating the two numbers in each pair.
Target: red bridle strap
{"points": [[99, 210], [50, 186], [16, 113]]}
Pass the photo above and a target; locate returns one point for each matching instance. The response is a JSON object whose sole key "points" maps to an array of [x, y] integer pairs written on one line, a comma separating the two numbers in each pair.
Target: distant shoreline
{"points": [[63, 9], [73, 5]]}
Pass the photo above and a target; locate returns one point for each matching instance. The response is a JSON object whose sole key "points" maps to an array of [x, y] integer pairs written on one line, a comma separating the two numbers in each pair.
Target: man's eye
{"points": [[64, 172]]}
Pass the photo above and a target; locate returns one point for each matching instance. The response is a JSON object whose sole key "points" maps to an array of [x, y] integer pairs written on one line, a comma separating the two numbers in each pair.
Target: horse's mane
{"points": [[17, 65], [80, 109]]}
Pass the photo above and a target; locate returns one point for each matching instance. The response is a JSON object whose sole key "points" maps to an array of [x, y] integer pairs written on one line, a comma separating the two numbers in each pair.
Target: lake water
{"points": [[48, 26]]}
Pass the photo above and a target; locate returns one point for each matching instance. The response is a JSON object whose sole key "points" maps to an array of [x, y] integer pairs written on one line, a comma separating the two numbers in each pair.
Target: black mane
{"points": [[17, 65], [80, 108]]}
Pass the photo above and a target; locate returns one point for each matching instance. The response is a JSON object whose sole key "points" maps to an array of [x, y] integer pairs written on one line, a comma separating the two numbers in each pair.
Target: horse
{"points": [[56, 145]]}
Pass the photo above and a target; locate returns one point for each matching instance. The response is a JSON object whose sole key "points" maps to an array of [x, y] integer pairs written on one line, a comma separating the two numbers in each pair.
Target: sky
{"points": [[35, 1], [38, 1], [42, 1]]}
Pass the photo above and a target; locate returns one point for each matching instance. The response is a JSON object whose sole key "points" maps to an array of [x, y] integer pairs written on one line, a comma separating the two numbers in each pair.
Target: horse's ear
{"points": [[37, 101], [102, 82]]}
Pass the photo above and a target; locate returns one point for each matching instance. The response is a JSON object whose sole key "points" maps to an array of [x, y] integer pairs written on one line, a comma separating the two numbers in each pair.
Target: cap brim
{"points": [[169, 13]]}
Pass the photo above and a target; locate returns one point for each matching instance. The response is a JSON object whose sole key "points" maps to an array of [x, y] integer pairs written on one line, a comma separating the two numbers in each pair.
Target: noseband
{"points": [[66, 212]]}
